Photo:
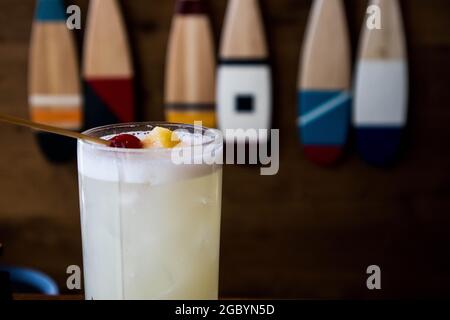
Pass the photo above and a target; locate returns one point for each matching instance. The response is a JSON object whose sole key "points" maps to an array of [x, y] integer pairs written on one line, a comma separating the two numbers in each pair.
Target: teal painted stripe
{"points": [[50, 10], [324, 117], [322, 110]]}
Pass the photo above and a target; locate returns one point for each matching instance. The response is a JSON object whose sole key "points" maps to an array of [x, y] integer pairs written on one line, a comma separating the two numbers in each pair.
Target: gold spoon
{"points": [[51, 129]]}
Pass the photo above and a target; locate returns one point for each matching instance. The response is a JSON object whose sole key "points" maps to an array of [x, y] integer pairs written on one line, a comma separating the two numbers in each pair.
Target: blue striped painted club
{"points": [[324, 97]]}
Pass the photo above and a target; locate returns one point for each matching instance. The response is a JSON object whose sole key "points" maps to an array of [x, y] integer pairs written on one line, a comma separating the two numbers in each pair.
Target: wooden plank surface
{"points": [[68, 297], [39, 297], [305, 233]]}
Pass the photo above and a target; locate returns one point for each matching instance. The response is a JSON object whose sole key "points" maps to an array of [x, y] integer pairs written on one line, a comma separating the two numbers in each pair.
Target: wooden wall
{"points": [[305, 233]]}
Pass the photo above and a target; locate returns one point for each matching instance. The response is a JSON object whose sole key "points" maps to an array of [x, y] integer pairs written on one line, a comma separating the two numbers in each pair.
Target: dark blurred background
{"points": [[308, 232]]}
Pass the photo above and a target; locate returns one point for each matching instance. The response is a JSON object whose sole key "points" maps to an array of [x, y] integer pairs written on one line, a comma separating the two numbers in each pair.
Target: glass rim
{"points": [[215, 134]]}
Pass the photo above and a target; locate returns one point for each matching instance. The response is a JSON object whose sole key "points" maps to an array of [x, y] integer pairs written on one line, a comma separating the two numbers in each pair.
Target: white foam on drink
{"points": [[153, 166], [185, 137]]}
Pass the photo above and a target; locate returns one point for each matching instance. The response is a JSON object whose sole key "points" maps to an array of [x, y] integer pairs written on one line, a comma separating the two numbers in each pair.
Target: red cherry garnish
{"points": [[126, 141]]}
